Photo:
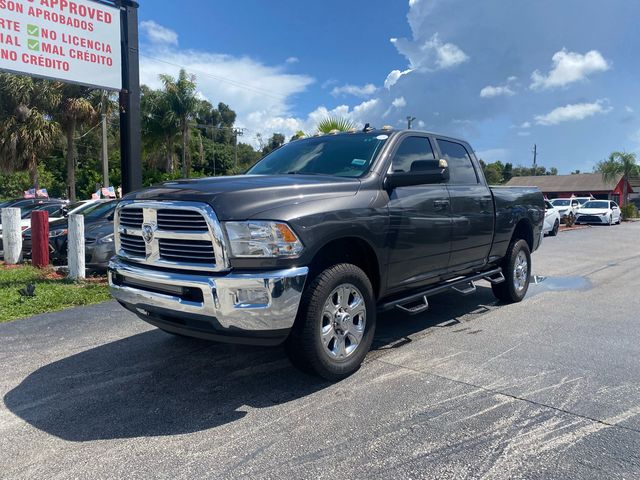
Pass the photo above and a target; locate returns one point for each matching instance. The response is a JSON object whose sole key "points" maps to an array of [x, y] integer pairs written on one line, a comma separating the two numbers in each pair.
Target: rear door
{"points": [[472, 210], [420, 221]]}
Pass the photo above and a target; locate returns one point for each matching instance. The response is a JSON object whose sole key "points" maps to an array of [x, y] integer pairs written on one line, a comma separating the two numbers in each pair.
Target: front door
{"points": [[420, 224]]}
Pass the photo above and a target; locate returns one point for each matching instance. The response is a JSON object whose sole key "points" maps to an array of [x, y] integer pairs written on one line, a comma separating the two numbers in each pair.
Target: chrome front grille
{"points": [[132, 245], [200, 251], [181, 220], [171, 234], [131, 217]]}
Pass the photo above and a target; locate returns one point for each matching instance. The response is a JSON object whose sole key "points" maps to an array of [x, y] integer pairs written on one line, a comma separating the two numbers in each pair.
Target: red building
{"points": [[579, 185]]}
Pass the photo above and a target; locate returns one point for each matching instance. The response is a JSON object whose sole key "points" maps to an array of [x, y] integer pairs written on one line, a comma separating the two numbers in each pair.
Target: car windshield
{"points": [[582, 201], [28, 210], [342, 155], [601, 204], [100, 210], [560, 203]]}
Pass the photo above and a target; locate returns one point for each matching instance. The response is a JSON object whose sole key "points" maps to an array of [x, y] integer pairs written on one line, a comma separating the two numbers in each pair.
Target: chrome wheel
{"points": [[520, 271], [344, 317]]}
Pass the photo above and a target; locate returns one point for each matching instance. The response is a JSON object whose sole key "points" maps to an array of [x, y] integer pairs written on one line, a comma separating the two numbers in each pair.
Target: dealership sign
{"points": [[70, 40]]}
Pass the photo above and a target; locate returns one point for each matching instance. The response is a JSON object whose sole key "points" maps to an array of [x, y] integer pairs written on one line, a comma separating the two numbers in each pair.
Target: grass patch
{"points": [[52, 293]]}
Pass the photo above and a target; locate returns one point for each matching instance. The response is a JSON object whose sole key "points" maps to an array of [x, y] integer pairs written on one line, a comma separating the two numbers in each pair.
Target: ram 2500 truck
{"points": [[317, 238]]}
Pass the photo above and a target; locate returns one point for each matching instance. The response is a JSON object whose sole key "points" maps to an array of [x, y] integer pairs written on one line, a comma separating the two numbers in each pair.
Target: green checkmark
{"points": [[34, 45], [33, 30]]}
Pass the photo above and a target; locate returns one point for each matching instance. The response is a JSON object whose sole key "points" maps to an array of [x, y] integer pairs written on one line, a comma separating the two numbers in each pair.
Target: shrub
{"points": [[629, 211]]}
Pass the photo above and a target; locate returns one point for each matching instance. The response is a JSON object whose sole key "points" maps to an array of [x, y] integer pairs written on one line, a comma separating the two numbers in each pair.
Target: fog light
{"points": [[252, 296]]}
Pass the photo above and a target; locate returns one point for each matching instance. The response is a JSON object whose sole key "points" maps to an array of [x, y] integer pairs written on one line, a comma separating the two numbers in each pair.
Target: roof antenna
{"points": [[367, 128]]}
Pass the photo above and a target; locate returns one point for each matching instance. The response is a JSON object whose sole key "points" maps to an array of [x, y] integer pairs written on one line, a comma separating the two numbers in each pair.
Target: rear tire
{"points": [[554, 230], [335, 325], [516, 268]]}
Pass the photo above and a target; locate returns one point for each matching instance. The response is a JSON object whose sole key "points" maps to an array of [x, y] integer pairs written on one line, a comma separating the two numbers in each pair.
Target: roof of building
{"points": [[582, 182]]}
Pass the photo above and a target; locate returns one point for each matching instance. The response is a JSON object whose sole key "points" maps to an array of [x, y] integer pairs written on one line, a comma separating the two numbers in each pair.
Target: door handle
{"points": [[441, 204]]}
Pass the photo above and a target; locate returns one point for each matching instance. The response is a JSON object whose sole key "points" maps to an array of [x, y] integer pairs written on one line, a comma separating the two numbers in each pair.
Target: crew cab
{"points": [[318, 237]]}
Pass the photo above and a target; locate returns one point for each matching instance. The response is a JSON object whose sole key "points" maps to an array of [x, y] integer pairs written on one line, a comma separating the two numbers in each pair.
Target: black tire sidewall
{"points": [[506, 291], [305, 344]]}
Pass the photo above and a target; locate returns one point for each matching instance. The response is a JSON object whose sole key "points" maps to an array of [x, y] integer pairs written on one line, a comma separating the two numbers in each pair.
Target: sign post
{"points": [[130, 149], [88, 42]]}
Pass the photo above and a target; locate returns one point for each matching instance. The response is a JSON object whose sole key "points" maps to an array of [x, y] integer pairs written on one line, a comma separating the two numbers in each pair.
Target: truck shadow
{"points": [[153, 384]]}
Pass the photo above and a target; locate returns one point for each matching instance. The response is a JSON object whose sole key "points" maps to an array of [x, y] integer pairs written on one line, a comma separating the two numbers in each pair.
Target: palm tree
{"points": [[159, 126], [619, 164], [183, 102], [75, 111], [27, 132], [335, 124]]}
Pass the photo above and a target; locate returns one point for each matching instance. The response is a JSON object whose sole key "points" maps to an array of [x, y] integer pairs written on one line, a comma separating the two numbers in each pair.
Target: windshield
{"points": [[601, 204], [560, 203], [100, 210], [582, 201], [343, 155]]}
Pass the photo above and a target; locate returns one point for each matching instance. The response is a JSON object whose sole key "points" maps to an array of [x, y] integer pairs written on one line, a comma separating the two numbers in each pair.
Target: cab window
{"points": [[461, 171], [413, 154]]}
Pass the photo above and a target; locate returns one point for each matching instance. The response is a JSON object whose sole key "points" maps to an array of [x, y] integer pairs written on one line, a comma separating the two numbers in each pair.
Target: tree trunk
{"points": [[33, 172], [185, 156], [169, 166], [71, 159]]}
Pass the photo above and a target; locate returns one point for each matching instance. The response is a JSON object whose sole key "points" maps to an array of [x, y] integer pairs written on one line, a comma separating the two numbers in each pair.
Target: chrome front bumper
{"points": [[254, 303]]}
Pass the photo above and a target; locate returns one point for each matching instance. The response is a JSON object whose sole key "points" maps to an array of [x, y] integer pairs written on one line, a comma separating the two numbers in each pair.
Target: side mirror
{"points": [[423, 172]]}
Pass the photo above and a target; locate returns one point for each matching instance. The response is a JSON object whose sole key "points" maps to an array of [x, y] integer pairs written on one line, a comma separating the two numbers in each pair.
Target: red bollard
{"points": [[40, 239]]}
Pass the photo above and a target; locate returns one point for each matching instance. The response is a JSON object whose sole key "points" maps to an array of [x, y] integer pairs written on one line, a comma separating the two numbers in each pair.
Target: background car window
{"points": [[413, 154], [461, 169]]}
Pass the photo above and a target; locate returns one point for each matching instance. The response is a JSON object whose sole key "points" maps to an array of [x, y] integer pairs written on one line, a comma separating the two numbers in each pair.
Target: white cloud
{"points": [[421, 124], [260, 94], [430, 54], [505, 89], [526, 125], [569, 67], [355, 90], [576, 111], [158, 34], [291, 60], [628, 109], [394, 76], [399, 102], [490, 91]]}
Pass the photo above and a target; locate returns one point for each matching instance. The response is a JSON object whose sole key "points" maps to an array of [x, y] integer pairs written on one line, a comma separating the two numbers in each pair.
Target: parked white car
{"points": [[551, 219], [604, 212], [566, 206]]}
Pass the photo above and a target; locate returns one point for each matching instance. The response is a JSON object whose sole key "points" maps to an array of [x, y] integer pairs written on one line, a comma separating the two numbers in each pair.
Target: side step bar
{"points": [[418, 302]]}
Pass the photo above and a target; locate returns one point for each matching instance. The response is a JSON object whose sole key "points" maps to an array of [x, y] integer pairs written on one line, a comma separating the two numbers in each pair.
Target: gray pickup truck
{"points": [[318, 237]]}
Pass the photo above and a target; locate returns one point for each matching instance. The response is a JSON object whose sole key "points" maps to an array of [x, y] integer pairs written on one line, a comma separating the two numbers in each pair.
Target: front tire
{"points": [[335, 324], [516, 268], [554, 230]]}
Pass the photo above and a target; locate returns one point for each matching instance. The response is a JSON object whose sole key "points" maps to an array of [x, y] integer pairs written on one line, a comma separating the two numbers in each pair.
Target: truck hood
{"points": [[245, 196]]}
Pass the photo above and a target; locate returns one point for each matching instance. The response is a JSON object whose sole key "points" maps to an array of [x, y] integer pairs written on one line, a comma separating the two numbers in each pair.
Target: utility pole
{"points": [[410, 120], [105, 155], [237, 132], [535, 160]]}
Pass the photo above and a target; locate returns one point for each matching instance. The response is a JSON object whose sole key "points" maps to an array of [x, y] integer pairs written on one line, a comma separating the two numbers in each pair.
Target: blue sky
{"points": [[503, 74]]}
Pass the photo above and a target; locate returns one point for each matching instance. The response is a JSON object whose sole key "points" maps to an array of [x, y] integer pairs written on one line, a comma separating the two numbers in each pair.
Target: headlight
{"points": [[105, 240], [262, 239], [57, 233]]}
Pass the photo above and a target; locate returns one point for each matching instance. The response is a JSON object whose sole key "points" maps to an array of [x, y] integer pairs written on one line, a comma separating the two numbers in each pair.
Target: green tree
{"points": [[159, 128], [298, 135], [276, 141], [183, 103], [335, 124], [75, 111], [619, 165], [27, 133]]}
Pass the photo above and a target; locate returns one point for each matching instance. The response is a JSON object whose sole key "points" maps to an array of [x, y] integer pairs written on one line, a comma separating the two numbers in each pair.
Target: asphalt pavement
{"points": [[548, 388]]}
